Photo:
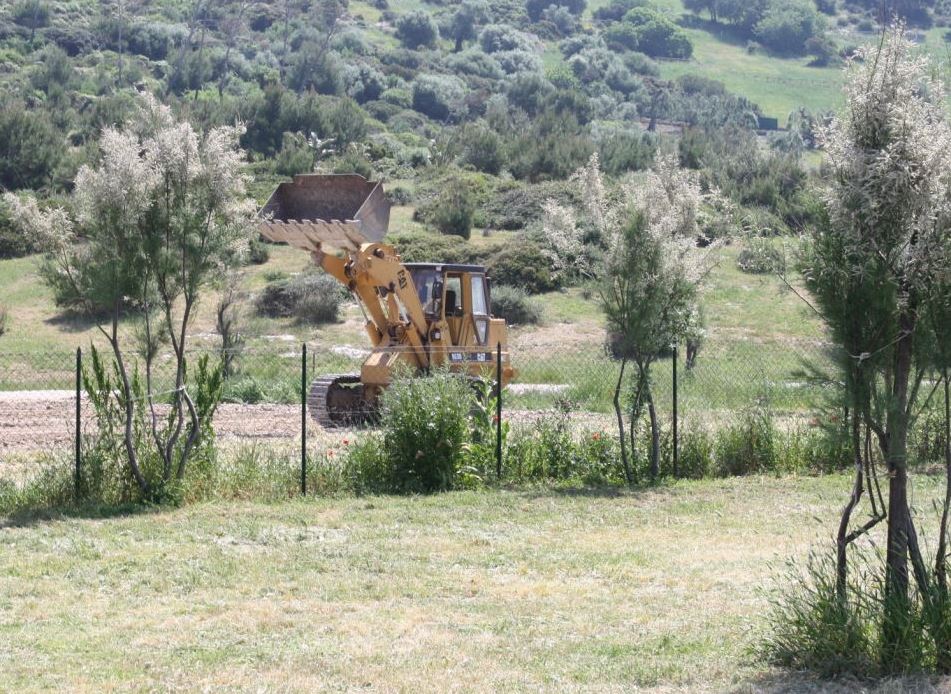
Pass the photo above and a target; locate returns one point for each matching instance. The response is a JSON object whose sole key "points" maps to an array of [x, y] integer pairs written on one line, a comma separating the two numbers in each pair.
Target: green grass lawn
{"points": [[475, 591]]}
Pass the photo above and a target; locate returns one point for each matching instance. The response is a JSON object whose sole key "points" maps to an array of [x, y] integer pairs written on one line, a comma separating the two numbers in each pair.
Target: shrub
{"points": [[749, 447], [295, 157], [536, 8], [246, 390], [696, 453], [311, 298], [367, 466], [515, 306], [417, 29], [523, 265], [425, 426], [453, 210], [32, 14], [759, 257], [785, 27], [258, 251], [13, 243], [624, 151], [364, 83], [519, 206], [353, 160], [482, 149], [649, 31], [399, 195], [438, 96], [496, 38], [553, 148], [811, 629], [32, 147], [616, 9], [547, 450]]}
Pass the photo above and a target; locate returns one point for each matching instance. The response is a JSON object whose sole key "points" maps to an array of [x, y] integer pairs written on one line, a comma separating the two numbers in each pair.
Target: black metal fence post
{"points": [[498, 411], [78, 481], [676, 441], [303, 419]]}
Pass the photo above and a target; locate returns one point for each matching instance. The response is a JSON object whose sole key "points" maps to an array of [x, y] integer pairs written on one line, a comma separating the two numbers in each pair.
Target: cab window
{"points": [[453, 295], [479, 304]]}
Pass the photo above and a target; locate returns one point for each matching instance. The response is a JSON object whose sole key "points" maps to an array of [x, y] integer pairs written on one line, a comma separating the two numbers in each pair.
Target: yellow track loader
{"points": [[418, 315]]}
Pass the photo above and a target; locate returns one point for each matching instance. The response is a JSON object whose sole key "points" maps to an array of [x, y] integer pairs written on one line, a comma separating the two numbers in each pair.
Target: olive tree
{"points": [[160, 216], [876, 268]]}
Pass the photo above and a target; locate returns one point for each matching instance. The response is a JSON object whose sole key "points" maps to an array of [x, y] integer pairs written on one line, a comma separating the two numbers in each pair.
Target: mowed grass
{"points": [[471, 591]]}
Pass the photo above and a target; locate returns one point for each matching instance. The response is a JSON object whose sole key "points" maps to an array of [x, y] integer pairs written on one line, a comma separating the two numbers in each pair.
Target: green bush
{"points": [[13, 244], [811, 629], [416, 247], [258, 252], [367, 466], [648, 31], [786, 27], [32, 147], [517, 207], [438, 96], [549, 451], [759, 257], [425, 427], [310, 297], [454, 210], [515, 306], [522, 264], [417, 29], [295, 157], [482, 149], [749, 447], [696, 453]]}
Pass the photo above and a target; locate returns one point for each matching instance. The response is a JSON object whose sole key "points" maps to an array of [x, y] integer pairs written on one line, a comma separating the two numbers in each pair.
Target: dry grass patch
{"points": [[478, 591]]}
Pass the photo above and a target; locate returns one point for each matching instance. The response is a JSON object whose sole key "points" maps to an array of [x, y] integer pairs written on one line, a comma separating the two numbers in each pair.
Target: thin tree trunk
{"points": [[655, 433], [128, 439], [940, 562], [842, 542], [896, 555], [628, 473], [941, 637]]}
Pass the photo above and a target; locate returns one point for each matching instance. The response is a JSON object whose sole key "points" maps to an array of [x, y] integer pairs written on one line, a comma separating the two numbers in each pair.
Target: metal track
{"points": [[336, 400]]}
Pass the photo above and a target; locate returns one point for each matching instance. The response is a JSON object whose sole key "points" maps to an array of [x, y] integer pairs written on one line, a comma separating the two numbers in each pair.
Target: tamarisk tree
{"points": [[161, 216], [650, 272], [878, 267]]}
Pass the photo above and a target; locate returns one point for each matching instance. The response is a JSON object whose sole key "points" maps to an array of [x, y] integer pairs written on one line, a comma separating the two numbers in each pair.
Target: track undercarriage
{"points": [[339, 400]]}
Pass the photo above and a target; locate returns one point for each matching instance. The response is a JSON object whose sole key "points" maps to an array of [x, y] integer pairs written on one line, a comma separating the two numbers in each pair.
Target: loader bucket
{"points": [[337, 210]]}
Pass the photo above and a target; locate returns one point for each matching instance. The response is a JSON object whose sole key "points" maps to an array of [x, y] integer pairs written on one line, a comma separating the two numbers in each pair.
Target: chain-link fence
{"points": [[263, 386]]}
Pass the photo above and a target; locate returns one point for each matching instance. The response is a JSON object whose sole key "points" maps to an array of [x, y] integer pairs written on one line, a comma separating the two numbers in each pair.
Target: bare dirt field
{"points": [[34, 421]]}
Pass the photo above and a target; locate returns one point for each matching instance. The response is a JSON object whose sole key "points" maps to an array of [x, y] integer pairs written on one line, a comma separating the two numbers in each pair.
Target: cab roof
{"points": [[446, 267]]}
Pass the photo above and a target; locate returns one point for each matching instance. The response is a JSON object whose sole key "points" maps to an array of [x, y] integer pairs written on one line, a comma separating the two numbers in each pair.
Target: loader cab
{"points": [[458, 295]]}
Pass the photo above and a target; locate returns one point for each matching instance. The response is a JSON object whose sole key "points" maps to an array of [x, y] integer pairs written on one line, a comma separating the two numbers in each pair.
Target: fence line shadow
{"points": [[29, 518]]}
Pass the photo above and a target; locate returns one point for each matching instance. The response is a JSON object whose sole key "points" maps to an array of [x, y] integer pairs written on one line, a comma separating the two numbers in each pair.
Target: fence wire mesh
{"points": [[262, 387]]}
